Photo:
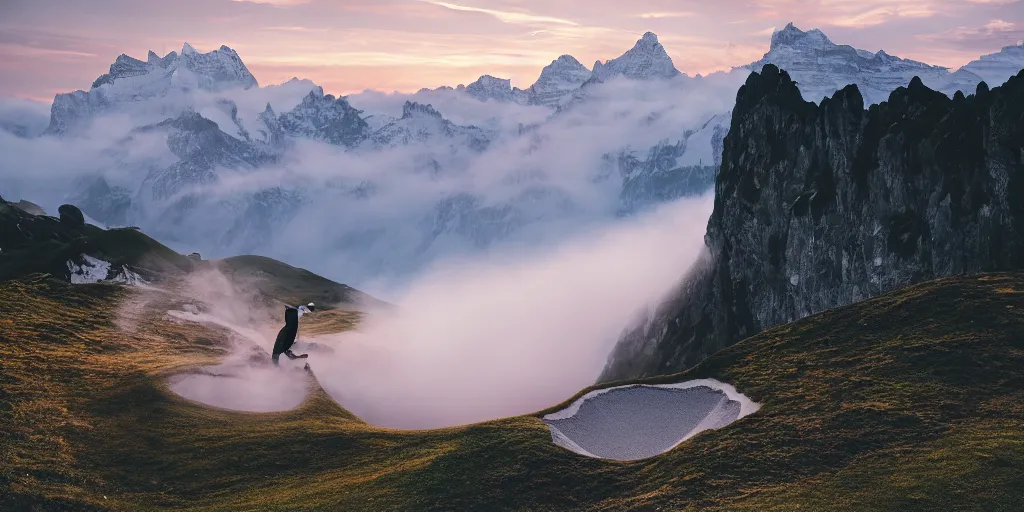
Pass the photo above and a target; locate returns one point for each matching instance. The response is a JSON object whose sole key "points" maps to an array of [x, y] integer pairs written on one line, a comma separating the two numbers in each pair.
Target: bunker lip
{"points": [[243, 389], [638, 421], [245, 380]]}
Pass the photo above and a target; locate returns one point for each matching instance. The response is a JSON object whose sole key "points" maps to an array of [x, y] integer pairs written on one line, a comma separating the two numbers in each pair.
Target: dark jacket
{"points": [[286, 336]]}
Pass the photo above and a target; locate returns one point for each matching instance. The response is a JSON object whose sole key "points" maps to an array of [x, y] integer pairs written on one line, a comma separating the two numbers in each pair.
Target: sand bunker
{"points": [[246, 381], [244, 388], [640, 421]]}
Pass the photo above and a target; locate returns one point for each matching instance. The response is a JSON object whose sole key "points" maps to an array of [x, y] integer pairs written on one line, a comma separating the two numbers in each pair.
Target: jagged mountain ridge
{"points": [[215, 137], [995, 68], [131, 80], [422, 124], [821, 67], [671, 170], [488, 87], [558, 79], [647, 60], [818, 206], [565, 77], [326, 118], [556, 83], [201, 147], [683, 163]]}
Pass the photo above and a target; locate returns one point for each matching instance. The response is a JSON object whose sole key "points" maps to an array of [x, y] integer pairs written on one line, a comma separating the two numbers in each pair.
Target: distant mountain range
{"points": [[201, 104], [821, 67]]}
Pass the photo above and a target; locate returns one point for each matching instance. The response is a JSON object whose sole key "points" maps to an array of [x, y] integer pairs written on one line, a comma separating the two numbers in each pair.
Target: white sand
{"points": [[247, 380]]}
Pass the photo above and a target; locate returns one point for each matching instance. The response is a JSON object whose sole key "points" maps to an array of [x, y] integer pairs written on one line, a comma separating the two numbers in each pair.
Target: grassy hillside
{"points": [[31, 243], [909, 401], [289, 284]]}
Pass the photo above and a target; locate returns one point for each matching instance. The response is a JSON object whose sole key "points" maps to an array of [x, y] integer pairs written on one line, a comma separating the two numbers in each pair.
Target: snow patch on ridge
{"points": [[91, 270], [94, 270]]}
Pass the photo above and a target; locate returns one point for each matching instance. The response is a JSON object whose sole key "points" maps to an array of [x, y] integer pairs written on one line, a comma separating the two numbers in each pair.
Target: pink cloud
{"points": [[407, 44], [30, 51], [516, 17], [662, 14], [279, 3]]}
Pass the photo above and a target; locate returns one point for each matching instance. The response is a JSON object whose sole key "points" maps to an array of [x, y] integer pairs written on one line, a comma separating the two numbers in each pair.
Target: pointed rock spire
{"points": [[412, 109], [646, 60], [557, 81]]}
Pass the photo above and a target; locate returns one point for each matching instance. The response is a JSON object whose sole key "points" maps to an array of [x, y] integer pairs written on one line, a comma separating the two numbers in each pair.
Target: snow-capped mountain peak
{"points": [[792, 36], [422, 124], [268, 130], [822, 67], [996, 68], [162, 62], [323, 117], [131, 80], [217, 70], [646, 60], [557, 81], [413, 109], [488, 87]]}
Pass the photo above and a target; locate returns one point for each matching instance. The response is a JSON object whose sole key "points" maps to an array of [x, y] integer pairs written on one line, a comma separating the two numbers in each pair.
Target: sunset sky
{"points": [[51, 46]]}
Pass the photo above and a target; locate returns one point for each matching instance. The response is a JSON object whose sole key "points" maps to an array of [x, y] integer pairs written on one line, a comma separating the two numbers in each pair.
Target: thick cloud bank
{"points": [[373, 218], [486, 339]]}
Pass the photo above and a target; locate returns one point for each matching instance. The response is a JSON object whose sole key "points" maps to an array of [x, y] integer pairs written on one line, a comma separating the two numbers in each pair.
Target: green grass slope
{"points": [[910, 401]]}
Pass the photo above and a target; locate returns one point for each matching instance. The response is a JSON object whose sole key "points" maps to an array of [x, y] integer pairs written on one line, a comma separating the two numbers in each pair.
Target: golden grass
{"points": [[910, 401]]}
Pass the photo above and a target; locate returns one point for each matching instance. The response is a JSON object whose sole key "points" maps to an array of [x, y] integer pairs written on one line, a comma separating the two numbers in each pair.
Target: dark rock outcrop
{"points": [[29, 207], [821, 206], [42, 244], [71, 215]]}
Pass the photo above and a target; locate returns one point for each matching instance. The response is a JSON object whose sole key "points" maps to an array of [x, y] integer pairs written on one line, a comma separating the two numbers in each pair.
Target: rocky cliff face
{"points": [[822, 205]]}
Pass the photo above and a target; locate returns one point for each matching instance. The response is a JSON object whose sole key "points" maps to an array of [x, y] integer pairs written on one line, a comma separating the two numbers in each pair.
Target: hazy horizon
{"points": [[403, 45]]}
